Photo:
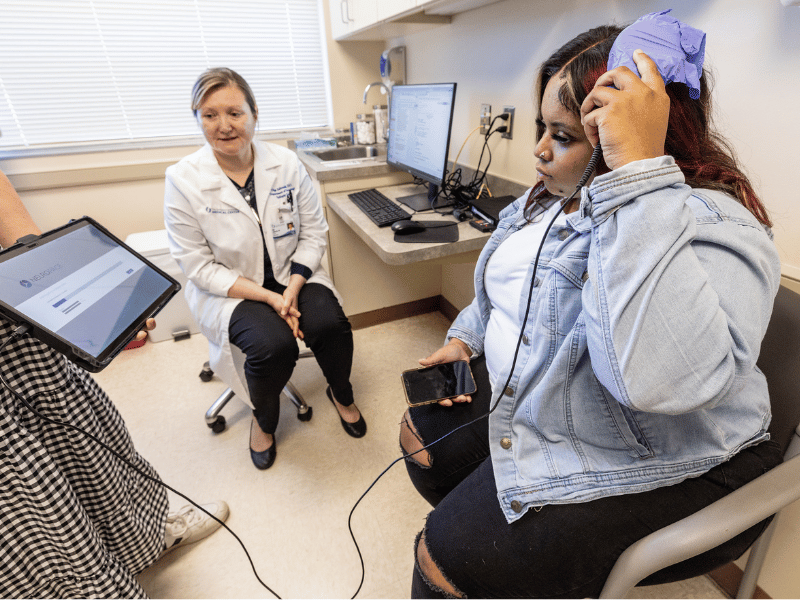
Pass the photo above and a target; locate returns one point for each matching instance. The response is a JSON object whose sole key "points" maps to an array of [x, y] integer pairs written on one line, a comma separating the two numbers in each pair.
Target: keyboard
{"points": [[378, 207]]}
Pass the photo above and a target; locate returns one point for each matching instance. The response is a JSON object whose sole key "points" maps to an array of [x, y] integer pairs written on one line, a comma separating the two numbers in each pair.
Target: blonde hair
{"points": [[220, 77]]}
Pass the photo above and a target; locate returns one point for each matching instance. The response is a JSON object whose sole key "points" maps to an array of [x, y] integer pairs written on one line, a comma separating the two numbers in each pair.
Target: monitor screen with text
{"points": [[420, 118]]}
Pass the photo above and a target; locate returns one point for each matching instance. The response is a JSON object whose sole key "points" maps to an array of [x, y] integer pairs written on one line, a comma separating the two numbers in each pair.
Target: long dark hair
{"points": [[705, 157]]}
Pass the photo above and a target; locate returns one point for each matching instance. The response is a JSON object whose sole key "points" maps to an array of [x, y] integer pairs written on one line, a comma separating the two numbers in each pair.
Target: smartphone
{"points": [[438, 382]]}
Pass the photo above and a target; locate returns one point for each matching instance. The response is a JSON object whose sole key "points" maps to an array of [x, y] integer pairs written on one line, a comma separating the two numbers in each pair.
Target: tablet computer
{"points": [[82, 291]]}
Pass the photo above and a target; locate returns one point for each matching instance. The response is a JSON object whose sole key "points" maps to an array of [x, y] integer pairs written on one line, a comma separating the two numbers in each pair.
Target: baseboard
{"points": [[447, 309], [393, 313], [728, 579]]}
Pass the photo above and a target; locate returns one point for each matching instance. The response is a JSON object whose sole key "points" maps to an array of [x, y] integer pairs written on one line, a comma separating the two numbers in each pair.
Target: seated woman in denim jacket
{"points": [[626, 396]]}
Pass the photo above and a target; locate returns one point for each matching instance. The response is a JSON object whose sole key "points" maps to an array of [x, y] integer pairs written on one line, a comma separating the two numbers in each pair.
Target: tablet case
{"points": [[123, 290]]}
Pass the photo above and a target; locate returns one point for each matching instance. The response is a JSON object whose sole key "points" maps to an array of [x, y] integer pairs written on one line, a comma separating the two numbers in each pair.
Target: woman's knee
{"points": [[431, 572], [411, 443], [321, 310], [269, 353]]}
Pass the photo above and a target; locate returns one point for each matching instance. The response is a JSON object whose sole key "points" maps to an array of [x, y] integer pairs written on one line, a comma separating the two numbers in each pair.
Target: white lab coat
{"points": [[215, 238]]}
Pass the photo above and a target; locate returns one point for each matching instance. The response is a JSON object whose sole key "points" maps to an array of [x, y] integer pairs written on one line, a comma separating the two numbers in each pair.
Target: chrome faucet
{"points": [[388, 92]]}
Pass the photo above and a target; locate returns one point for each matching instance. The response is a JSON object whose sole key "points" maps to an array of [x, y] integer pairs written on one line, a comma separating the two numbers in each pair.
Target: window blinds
{"points": [[79, 71]]}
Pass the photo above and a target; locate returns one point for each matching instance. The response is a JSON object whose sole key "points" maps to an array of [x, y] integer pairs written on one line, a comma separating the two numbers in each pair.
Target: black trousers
{"points": [[561, 551], [271, 349]]}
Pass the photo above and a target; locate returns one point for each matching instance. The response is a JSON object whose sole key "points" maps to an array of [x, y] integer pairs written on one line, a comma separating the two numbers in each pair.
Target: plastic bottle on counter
{"points": [[381, 123], [365, 129]]}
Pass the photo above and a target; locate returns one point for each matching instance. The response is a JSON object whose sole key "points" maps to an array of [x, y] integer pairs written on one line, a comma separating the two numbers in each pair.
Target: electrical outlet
{"points": [[486, 117], [509, 123]]}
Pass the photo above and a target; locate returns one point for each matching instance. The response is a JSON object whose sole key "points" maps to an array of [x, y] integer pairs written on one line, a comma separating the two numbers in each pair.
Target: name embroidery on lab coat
{"points": [[221, 211]]}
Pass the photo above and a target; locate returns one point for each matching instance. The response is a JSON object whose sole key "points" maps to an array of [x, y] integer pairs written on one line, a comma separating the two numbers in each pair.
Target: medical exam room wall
{"points": [[754, 49], [124, 190]]}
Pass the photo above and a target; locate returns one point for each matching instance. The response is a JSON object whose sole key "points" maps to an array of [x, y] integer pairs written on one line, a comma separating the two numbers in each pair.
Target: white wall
{"points": [[753, 47]]}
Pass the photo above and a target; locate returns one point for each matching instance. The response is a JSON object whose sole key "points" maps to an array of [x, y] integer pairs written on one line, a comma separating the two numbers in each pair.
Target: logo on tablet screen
{"points": [[26, 283]]}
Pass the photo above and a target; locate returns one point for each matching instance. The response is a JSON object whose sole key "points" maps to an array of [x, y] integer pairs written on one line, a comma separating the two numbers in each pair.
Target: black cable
{"points": [[587, 173], [20, 332], [478, 181]]}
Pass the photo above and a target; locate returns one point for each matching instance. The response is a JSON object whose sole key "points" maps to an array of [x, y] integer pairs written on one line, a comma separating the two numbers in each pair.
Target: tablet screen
{"points": [[82, 286]]}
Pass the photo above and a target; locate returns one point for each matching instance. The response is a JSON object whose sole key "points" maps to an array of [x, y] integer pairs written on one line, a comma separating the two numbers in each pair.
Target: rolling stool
{"points": [[216, 422]]}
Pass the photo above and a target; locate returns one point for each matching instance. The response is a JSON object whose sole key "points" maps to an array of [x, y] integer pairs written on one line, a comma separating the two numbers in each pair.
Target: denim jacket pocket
{"points": [[565, 278], [622, 421]]}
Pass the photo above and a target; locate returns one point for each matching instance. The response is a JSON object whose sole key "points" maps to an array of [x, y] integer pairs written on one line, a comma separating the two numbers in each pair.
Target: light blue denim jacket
{"points": [[637, 365]]}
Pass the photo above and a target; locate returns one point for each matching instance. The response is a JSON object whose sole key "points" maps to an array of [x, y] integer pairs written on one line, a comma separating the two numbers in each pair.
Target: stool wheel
{"points": [[207, 374], [218, 426], [305, 415]]}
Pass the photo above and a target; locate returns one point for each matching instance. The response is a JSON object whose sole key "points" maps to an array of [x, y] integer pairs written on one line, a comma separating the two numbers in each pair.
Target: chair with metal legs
{"points": [[216, 422], [766, 495]]}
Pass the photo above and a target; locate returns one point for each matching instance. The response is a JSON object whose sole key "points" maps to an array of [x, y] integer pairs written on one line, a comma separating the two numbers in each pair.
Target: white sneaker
{"points": [[190, 525]]}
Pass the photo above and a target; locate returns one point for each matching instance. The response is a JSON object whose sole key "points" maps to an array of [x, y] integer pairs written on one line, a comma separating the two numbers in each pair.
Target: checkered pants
{"points": [[74, 520]]}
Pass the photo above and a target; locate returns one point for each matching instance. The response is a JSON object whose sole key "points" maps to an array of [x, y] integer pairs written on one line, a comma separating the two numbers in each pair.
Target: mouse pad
{"points": [[436, 232]]}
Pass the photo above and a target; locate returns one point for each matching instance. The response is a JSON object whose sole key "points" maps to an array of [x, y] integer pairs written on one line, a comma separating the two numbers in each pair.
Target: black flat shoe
{"points": [[264, 459], [357, 429]]}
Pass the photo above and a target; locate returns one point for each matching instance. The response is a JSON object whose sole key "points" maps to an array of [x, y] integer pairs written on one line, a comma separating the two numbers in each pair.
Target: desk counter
{"points": [[381, 239]]}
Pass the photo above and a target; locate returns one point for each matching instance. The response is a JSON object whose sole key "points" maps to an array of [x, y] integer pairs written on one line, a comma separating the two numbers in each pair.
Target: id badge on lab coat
{"points": [[282, 229]]}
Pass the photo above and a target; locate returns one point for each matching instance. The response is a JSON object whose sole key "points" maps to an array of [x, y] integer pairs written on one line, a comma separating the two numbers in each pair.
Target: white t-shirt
{"points": [[504, 277]]}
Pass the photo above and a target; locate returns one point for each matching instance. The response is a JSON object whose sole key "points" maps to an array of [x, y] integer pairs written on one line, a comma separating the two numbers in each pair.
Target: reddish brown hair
{"points": [[705, 157]]}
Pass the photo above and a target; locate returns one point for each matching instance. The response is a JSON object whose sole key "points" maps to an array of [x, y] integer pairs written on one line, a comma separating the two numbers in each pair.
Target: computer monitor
{"points": [[420, 117]]}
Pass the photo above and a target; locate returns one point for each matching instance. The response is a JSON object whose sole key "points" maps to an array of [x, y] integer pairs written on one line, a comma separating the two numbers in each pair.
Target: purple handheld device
{"points": [[677, 48]]}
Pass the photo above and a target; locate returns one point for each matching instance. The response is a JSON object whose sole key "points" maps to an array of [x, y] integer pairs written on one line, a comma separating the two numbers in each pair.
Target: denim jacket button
{"points": [[516, 506], [509, 391], [537, 282], [505, 443], [563, 234], [585, 277], [525, 340]]}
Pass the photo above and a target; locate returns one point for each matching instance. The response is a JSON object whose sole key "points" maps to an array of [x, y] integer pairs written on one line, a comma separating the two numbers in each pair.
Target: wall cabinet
{"points": [[388, 9], [349, 16], [377, 20]]}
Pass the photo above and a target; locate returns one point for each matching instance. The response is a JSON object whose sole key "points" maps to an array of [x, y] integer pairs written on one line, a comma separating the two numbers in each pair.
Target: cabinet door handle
{"points": [[344, 14]]}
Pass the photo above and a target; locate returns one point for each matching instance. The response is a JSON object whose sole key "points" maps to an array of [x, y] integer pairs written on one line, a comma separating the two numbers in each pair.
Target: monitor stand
{"points": [[422, 201]]}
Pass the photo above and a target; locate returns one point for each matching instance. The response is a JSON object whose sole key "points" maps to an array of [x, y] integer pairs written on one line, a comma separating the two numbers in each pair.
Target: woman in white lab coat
{"points": [[248, 230]]}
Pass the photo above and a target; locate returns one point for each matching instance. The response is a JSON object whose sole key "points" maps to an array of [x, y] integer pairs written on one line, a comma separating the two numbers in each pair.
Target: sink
{"points": [[348, 153]]}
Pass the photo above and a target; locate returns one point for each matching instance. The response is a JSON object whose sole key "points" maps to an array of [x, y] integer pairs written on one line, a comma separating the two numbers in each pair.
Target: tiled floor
{"points": [[293, 518]]}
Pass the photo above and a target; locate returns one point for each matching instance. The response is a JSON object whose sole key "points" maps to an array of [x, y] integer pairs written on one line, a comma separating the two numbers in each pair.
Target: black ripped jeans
{"points": [[561, 551], [271, 349]]}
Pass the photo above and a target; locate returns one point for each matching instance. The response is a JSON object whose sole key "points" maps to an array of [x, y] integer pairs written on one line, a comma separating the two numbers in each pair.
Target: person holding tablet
{"points": [[248, 230], [77, 522], [627, 397]]}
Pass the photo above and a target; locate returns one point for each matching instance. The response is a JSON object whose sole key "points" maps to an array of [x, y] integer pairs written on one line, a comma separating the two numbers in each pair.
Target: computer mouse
{"points": [[407, 226]]}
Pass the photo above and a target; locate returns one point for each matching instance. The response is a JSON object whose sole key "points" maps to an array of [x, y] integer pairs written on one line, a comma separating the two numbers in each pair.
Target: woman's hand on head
{"points": [[453, 351], [630, 122]]}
